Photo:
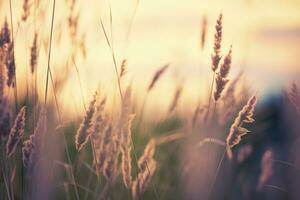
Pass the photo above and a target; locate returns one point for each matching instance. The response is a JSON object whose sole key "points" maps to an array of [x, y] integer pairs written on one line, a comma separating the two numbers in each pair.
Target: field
{"points": [[195, 100]]}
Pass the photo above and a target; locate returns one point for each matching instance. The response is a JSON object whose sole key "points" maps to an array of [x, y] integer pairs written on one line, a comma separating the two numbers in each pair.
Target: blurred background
{"points": [[265, 37]]}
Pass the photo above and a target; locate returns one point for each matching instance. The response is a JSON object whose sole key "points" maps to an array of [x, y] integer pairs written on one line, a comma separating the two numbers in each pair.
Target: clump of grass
{"points": [[111, 135], [121, 142], [16, 132]]}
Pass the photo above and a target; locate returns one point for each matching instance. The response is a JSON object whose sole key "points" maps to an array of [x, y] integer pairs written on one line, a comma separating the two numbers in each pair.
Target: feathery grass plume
{"points": [[84, 130], [10, 65], [224, 69], [4, 34], [104, 146], [32, 147], [125, 119], [147, 166], [123, 68], [34, 54], [99, 125], [26, 10], [176, 98], [99, 119], [157, 75], [126, 167], [294, 96], [111, 161], [216, 56], [16, 132], [126, 148], [148, 154], [221, 78], [236, 130], [203, 32], [266, 169]]}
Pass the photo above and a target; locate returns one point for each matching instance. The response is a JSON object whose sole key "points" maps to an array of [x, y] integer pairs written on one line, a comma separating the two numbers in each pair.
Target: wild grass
{"points": [[107, 155]]}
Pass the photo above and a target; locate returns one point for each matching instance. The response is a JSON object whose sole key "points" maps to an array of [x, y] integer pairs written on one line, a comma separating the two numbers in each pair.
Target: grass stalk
{"points": [[49, 53], [209, 100], [143, 110], [49, 73], [119, 85], [12, 36], [113, 58], [80, 83], [216, 174]]}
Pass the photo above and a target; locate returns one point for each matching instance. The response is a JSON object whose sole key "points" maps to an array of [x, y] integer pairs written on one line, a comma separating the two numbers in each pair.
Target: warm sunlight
{"points": [[149, 99]]}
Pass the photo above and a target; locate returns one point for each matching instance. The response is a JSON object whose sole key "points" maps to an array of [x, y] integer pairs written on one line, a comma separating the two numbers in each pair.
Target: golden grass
{"points": [[112, 132]]}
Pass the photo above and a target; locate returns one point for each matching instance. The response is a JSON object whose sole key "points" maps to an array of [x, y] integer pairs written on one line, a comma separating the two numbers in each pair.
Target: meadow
{"points": [[73, 128]]}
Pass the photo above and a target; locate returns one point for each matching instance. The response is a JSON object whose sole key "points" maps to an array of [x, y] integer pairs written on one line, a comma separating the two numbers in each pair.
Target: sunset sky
{"points": [[265, 35]]}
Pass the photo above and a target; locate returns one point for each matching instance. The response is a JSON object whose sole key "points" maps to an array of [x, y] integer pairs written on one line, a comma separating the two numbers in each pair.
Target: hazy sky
{"points": [[265, 35]]}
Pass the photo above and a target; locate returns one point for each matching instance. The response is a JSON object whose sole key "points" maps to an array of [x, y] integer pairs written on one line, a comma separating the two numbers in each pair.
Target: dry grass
{"points": [[120, 141], [16, 132], [236, 130], [84, 131]]}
